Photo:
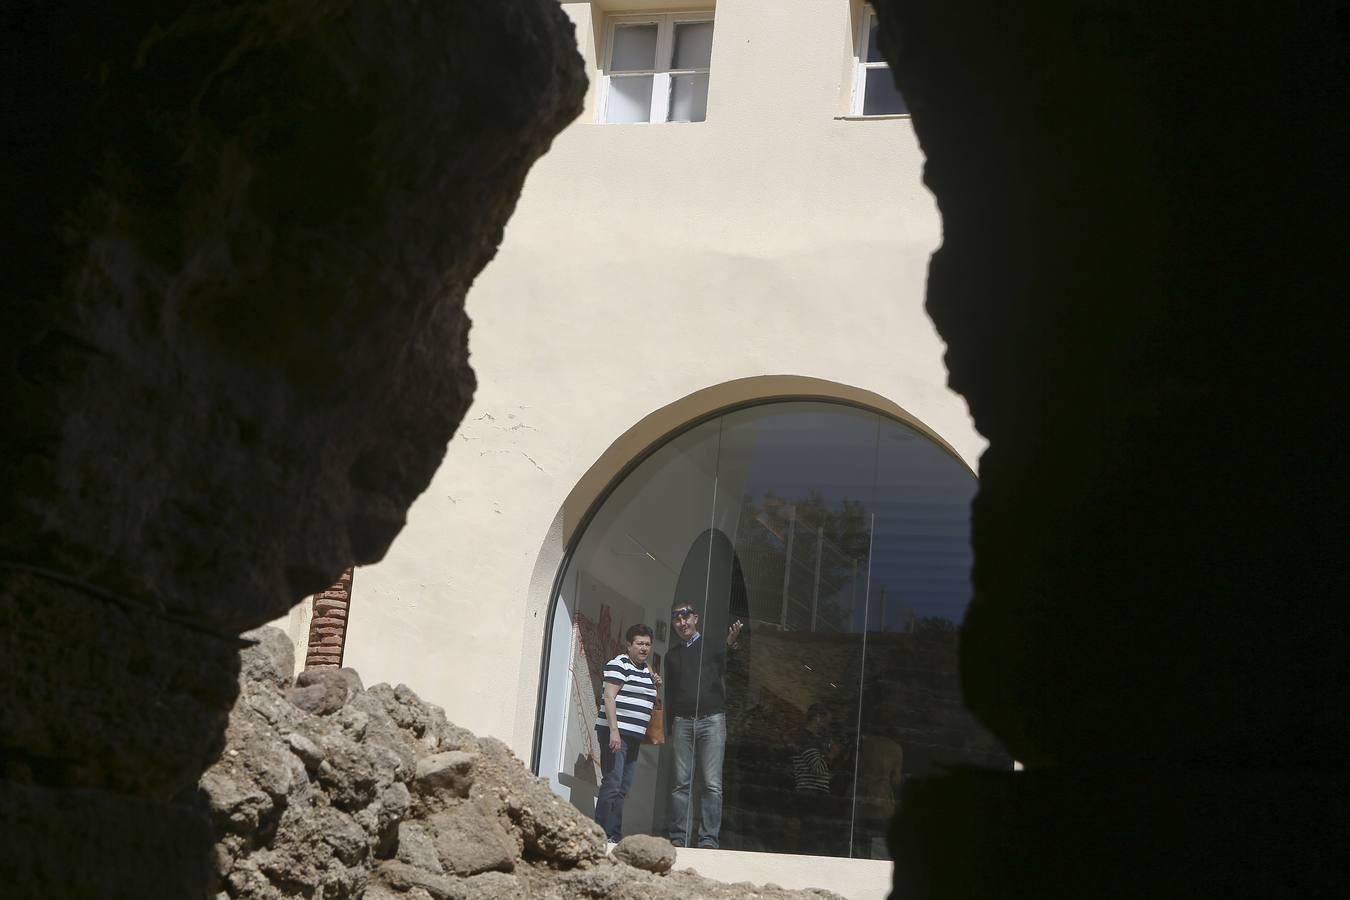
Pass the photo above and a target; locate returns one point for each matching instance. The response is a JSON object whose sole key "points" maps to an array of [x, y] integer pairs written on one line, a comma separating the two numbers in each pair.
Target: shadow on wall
{"points": [[584, 784]]}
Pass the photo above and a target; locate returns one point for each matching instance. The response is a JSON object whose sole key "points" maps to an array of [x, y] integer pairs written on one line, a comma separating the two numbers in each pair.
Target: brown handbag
{"points": [[656, 728]]}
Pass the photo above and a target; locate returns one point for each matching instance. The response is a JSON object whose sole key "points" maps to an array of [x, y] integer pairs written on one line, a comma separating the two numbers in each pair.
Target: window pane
{"points": [[913, 722], [881, 96], [634, 48], [693, 45], [873, 51], [630, 99], [688, 98], [630, 566], [794, 487], [803, 567]]}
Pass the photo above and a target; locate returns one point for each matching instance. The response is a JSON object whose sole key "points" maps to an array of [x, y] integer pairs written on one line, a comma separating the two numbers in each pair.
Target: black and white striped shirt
{"points": [[637, 696], [811, 771]]}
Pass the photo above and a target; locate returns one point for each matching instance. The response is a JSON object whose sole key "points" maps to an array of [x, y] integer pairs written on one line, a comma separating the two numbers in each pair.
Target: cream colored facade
{"points": [[646, 267], [652, 273]]}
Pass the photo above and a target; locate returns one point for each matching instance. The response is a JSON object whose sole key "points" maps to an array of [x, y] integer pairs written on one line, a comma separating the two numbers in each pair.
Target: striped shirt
{"points": [[637, 696], [811, 771]]}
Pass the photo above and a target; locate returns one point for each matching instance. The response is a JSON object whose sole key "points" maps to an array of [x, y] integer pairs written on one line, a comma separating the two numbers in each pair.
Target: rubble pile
{"points": [[329, 790]]}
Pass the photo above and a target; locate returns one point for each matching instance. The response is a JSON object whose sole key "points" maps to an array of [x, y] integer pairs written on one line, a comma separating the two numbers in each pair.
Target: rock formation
{"points": [[1142, 287], [378, 795], [238, 239], [644, 851]]}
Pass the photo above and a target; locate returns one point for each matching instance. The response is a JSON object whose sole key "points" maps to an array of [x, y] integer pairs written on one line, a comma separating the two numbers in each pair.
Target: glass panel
{"points": [[913, 721], [693, 45], [634, 48], [794, 484], [882, 97], [688, 98], [630, 99], [803, 567], [873, 51], [626, 570]]}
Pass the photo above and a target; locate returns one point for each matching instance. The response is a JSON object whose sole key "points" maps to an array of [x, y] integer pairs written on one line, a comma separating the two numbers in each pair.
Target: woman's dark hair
{"points": [[636, 631]]}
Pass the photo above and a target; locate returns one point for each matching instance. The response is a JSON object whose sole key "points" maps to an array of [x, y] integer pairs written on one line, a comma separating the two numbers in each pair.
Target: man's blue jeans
{"points": [[617, 770], [699, 746]]}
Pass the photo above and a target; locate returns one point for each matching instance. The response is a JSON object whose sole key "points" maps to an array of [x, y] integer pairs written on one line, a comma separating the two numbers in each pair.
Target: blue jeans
{"points": [[703, 740], [617, 771]]}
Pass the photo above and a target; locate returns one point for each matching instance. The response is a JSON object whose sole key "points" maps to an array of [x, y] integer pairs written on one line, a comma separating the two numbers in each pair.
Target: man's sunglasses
{"points": [[677, 614]]}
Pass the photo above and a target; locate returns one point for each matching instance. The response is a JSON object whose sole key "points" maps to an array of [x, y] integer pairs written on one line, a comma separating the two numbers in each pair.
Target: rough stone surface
{"points": [[323, 691], [1143, 299], [272, 658], [107, 839], [470, 840], [547, 826], [445, 773], [417, 848], [238, 239], [386, 797], [644, 851], [619, 881]]}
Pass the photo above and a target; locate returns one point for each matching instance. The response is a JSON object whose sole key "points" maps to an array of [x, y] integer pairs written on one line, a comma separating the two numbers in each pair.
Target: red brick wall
{"points": [[328, 627]]}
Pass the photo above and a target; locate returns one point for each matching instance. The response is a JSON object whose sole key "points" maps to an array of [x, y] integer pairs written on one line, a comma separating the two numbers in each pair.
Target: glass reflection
{"points": [[881, 97], [803, 567]]}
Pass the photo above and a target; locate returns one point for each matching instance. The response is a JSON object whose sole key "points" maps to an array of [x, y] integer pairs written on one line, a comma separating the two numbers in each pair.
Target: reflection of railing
{"points": [[583, 682], [789, 567]]}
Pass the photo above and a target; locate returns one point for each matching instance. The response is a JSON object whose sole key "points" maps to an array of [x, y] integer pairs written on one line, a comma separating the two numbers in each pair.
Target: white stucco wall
{"points": [[644, 263]]}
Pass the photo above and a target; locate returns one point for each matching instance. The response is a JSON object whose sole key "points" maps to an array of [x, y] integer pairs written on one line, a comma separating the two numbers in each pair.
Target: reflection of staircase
{"points": [[782, 573], [762, 810]]}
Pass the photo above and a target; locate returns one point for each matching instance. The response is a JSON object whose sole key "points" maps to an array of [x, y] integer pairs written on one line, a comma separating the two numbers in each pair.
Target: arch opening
{"points": [[838, 536]]}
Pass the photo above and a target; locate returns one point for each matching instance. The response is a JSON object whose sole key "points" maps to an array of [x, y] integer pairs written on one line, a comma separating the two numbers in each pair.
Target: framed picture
{"points": [[660, 630]]}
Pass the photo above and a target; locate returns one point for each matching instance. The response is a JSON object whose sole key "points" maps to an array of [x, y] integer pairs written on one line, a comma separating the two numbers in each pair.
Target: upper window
{"points": [[656, 67], [874, 91]]}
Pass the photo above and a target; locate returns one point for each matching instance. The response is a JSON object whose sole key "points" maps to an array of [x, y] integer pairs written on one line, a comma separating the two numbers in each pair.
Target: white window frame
{"points": [[665, 52], [863, 66]]}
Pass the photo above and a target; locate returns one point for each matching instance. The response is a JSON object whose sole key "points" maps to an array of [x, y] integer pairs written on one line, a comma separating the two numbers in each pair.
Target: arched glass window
{"points": [[839, 539]]}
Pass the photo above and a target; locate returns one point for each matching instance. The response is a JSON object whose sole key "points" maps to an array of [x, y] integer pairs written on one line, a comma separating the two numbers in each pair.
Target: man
{"points": [[696, 712], [629, 696]]}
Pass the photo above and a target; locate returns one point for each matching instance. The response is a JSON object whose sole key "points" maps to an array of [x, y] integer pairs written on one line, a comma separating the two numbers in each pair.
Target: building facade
{"points": [[706, 374]]}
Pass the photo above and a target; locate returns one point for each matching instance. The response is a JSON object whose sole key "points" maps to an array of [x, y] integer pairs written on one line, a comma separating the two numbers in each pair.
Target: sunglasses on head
{"points": [[682, 613]]}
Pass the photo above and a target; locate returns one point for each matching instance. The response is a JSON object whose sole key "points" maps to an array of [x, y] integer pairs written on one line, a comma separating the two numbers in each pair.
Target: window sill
{"points": [[873, 118], [657, 124]]}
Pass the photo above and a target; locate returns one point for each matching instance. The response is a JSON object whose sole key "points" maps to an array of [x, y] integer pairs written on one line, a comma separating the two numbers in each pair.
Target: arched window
{"points": [[839, 538]]}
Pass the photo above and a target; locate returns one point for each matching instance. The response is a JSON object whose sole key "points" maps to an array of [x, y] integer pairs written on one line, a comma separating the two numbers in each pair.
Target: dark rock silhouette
{"points": [[238, 238], [1142, 287]]}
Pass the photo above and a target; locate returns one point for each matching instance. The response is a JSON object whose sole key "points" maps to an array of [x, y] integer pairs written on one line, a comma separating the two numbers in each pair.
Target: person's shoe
{"points": [[677, 843], [708, 847]]}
